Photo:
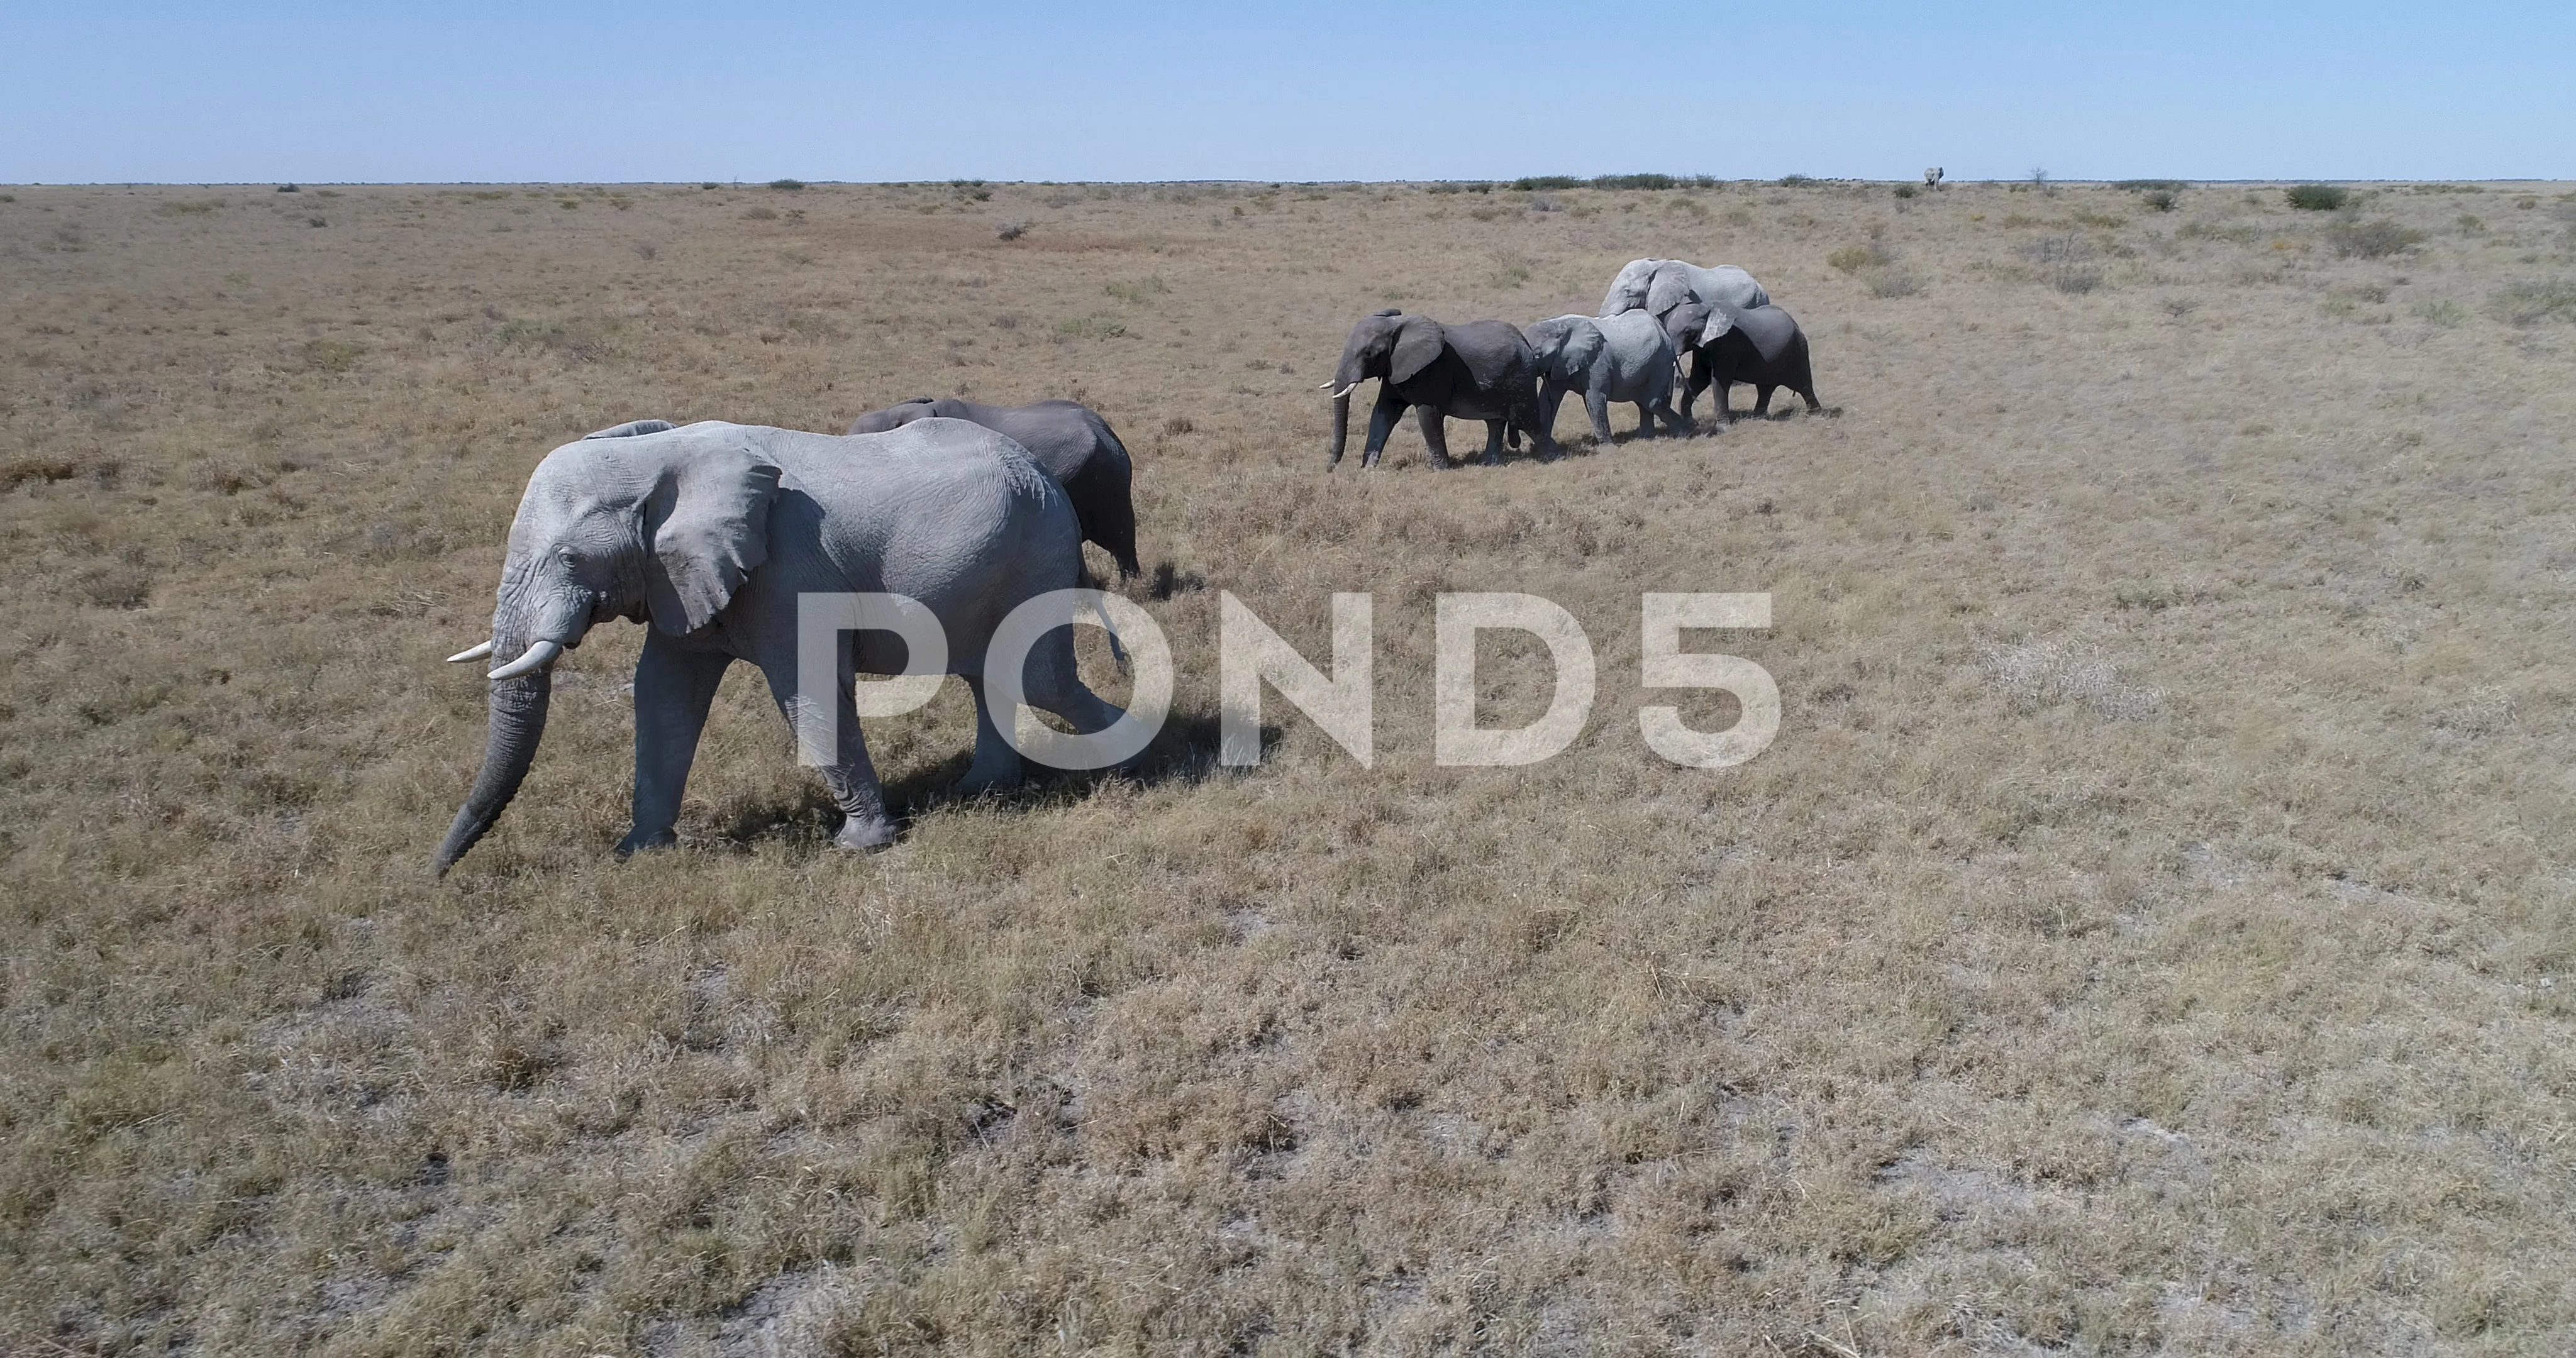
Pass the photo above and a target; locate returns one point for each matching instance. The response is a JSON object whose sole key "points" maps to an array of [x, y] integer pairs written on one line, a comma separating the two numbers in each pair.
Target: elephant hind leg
{"points": [[996, 764], [1435, 436], [850, 776], [1762, 399], [1054, 685], [1494, 435]]}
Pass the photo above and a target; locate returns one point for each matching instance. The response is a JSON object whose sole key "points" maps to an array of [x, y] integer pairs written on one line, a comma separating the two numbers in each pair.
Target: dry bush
{"points": [[2151, 931]]}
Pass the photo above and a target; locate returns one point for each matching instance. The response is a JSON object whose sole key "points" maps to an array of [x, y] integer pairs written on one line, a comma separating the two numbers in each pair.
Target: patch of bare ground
{"points": [[2151, 931]]}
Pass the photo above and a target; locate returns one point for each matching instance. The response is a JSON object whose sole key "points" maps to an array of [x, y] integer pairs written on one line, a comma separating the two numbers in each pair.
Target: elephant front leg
{"points": [[1435, 434], [1596, 404], [673, 690], [1494, 441], [1692, 386], [850, 777], [1382, 418]]}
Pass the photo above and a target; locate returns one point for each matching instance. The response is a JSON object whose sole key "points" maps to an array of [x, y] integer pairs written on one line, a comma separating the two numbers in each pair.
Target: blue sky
{"points": [[1001, 89]]}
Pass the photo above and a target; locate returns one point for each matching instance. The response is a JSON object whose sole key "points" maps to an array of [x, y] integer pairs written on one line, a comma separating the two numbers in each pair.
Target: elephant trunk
{"points": [[530, 631], [518, 715], [1341, 421]]}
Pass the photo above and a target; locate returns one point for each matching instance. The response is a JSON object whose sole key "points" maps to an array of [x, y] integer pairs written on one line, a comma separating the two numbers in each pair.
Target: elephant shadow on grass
{"points": [[1184, 751]]}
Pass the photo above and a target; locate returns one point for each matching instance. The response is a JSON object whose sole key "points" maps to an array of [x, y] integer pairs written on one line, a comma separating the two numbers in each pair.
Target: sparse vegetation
{"points": [[2536, 300], [2065, 263], [1138, 290], [1012, 229], [2050, 986], [2161, 200], [2374, 239], [1629, 181], [2316, 197]]}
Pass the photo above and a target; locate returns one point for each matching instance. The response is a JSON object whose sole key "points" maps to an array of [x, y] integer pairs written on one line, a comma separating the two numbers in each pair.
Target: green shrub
{"points": [[2162, 200], [2316, 197], [1091, 327], [1894, 280], [1630, 181], [2536, 301], [2441, 311], [1904, 190], [1138, 290], [1791, 181], [1532, 183], [2375, 239], [787, 185], [2151, 185]]}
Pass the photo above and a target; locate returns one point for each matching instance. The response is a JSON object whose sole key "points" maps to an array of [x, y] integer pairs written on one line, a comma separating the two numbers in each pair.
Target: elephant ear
{"points": [[1721, 319], [1582, 345], [1669, 288], [1418, 341], [708, 523]]}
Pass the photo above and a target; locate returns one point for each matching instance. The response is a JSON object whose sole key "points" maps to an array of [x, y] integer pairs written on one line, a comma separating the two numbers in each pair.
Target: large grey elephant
{"points": [[1762, 345], [1626, 357], [1476, 370], [1075, 445], [1659, 285], [710, 533]]}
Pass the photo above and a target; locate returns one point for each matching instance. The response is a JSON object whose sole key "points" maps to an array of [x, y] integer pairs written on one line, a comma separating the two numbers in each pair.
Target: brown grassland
{"points": [[2153, 929]]}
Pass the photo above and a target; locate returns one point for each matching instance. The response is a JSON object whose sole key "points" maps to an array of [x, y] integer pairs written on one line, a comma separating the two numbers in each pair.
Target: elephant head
{"points": [[1658, 285], [1565, 347], [1693, 324], [1389, 346], [661, 526], [895, 416]]}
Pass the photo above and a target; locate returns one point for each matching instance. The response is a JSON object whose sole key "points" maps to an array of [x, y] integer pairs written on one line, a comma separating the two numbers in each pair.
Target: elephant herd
{"points": [[718, 537], [1515, 378]]}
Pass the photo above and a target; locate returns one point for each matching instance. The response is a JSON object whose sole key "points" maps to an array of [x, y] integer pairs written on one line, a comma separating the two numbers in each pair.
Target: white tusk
{"points": [[474, 652], [1337, 395], [536, 657], [1326, 387]]}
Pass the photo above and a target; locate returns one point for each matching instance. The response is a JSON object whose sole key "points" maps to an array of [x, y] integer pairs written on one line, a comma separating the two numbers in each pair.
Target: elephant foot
{"points": [[976, 783], [865, 834], [639, 840]]}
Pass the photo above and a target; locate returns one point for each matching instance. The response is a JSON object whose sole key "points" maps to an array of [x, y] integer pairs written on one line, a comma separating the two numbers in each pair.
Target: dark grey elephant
{"points": [[1626, 358], [1075, 445], [1727, 344], [1476, 370], [712, 533]]}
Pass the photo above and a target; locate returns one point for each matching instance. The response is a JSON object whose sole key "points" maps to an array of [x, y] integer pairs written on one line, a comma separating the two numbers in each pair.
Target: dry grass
{"points": [[2150, 933]]}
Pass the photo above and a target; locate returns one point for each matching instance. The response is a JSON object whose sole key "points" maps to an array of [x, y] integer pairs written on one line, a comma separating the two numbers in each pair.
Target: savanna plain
{"points": [[2152, 930]]}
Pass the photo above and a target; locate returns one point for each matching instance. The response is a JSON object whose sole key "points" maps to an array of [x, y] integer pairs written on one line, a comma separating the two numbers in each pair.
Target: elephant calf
{"points": [[1477, 370], [1075, 445], [1728, 344], [1626, 357]]}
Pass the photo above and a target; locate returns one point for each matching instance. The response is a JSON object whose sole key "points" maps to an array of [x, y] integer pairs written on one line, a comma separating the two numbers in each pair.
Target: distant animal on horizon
{"points": [[1626, 358], [712, 535], [1659, 285], [1932, 177], [1071, 440], [1473, 370], [1727, 344]]}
